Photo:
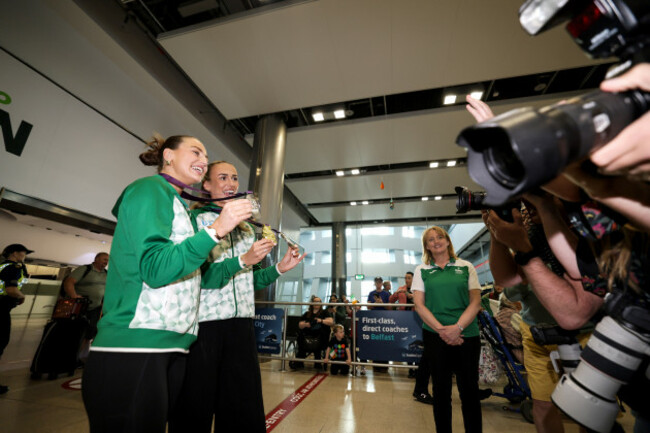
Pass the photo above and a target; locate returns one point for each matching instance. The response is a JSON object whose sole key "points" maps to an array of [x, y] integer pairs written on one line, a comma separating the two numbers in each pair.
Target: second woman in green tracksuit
{"points": [[223, 376]]}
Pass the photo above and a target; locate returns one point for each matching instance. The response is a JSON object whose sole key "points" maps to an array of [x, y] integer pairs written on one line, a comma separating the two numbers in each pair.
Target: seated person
{"points": [[338, 349], [509, 320], [313, 332]]}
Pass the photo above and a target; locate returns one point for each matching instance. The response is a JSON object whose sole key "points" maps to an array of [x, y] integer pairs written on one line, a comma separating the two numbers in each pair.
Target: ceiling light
{"points": [[425, 198], [339, 114], [364, 202], [449, 99], [353, 203], [451, 163], [438, 197], [318, 117], [434, 164], [476, 95], [340, 173], [355, 171]]}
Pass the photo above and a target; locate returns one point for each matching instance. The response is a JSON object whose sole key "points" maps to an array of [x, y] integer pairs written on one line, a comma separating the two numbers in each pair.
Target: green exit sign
{"points": [[359, 277]]}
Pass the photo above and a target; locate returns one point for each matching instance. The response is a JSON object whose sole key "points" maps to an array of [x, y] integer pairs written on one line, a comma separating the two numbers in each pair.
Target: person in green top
{"points": [[222, 379], [447, 296], [136, 365]]}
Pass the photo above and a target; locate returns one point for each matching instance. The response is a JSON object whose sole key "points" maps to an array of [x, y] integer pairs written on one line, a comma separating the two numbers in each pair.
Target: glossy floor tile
{"points": [[377, 403]]}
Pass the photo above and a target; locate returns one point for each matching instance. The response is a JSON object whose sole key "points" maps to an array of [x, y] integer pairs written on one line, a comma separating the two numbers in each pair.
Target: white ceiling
{"points": [[325, 51]]}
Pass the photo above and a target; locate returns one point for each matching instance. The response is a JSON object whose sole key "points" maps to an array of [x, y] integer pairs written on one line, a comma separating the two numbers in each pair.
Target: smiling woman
{"points": [[150, 314], [447, 296], [222, 378]]}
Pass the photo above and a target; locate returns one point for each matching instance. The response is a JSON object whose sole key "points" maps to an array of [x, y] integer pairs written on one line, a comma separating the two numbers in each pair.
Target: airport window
{"points": [[377, 255]]}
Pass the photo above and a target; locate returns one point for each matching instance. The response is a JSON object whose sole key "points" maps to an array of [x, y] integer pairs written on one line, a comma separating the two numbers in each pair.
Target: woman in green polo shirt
{"points": [[447, 296]]}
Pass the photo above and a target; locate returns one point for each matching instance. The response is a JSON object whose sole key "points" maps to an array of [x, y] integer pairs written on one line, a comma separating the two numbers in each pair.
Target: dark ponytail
{"points": [[157, 145]]}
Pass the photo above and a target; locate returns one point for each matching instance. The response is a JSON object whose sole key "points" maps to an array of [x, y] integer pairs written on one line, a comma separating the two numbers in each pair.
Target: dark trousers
{"points": [[222, 381], [131, 392], [462, 361], [6, 304], [339, 369], [422, 375], [93, 317]]}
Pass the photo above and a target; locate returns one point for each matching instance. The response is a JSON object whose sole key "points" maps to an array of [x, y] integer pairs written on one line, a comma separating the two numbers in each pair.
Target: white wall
{"points": [[75, 157]]}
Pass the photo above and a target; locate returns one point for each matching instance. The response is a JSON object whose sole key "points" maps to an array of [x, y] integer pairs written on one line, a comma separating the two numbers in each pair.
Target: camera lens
{"points": [[504, 166]]}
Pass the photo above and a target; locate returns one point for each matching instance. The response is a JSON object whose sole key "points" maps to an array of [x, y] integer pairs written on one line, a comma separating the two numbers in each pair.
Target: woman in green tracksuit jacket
{"points": [[223, 375], [150, 313]]}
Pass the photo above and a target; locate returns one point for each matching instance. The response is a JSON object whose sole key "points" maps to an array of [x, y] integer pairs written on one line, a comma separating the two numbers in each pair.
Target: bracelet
{"points": [[460, 327]]}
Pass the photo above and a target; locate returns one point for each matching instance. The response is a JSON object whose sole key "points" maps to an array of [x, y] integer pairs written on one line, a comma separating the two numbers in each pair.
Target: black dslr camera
{"points": [[525, 148], [467, 200]]}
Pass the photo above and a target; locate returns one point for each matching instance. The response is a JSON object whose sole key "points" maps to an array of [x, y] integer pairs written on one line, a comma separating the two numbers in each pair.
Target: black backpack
{"points": [[62, 293]]}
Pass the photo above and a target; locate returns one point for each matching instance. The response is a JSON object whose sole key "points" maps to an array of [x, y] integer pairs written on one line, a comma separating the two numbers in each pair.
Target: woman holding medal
{"points": [[136, 364], [223, 376]]}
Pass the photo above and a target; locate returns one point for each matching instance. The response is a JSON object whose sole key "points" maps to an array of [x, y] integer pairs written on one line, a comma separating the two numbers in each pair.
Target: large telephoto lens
{"points": [[611, 358], [525, 148]]}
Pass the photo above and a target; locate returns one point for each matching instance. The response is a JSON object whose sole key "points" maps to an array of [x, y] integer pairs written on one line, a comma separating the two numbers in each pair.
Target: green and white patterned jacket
{"points": [[225, 295], [154, 279]]}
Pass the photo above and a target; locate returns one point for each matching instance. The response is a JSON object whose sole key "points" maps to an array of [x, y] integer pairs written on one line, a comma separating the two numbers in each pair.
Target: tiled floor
{"points": [[378, 403]]}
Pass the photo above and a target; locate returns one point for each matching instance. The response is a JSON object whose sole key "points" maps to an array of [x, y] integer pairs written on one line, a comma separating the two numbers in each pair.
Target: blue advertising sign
{"points": [[268, 329], [389, 335]]}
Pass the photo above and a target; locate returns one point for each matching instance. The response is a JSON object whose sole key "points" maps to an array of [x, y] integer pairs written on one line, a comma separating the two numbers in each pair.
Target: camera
{"points": [[525, 148], [568, 348], [467, 200], [618, 347]]}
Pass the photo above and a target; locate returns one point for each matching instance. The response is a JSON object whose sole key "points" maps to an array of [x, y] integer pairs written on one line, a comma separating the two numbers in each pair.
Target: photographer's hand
{"points": [[513, 235], [479, 109], [629, 150]]}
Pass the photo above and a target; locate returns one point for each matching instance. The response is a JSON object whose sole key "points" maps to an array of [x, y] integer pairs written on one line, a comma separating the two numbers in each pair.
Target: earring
{"points": [[167, 162]]}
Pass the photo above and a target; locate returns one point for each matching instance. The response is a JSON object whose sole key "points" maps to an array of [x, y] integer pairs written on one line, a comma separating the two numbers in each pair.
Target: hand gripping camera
{"points": [[517, 151]]}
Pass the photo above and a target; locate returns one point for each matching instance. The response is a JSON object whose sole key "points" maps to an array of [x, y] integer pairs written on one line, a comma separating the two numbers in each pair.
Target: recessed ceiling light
{"points": [[449, 99], [451, 163], [339, 114], [425, 198], [364, 202], [476, 95], [340, 173], [355, 171], [434, 164], [353, 203], [318, 117], [438, 197]]}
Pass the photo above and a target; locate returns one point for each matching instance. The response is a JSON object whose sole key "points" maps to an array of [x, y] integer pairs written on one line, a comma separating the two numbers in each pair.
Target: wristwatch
{"points": [[522, 259]]}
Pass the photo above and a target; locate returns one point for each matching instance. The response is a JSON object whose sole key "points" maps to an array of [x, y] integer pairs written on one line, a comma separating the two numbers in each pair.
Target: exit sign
{"points": [[359, 277]]}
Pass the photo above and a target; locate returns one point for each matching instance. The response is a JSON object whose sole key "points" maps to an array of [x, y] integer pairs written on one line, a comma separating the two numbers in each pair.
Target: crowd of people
{"points": [[178, 308]]}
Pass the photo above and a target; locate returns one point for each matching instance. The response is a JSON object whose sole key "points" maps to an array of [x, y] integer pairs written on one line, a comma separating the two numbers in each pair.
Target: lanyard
{"points": [[189, 196], [217, 210]]}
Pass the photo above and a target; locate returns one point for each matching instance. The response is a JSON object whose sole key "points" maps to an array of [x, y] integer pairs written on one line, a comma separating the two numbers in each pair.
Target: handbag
{"points": [[70, 308], [489, 367], [311, 344]]}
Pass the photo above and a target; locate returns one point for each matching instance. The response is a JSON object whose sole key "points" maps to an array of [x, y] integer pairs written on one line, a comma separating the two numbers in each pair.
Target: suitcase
{"points": [[62, 337]]}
